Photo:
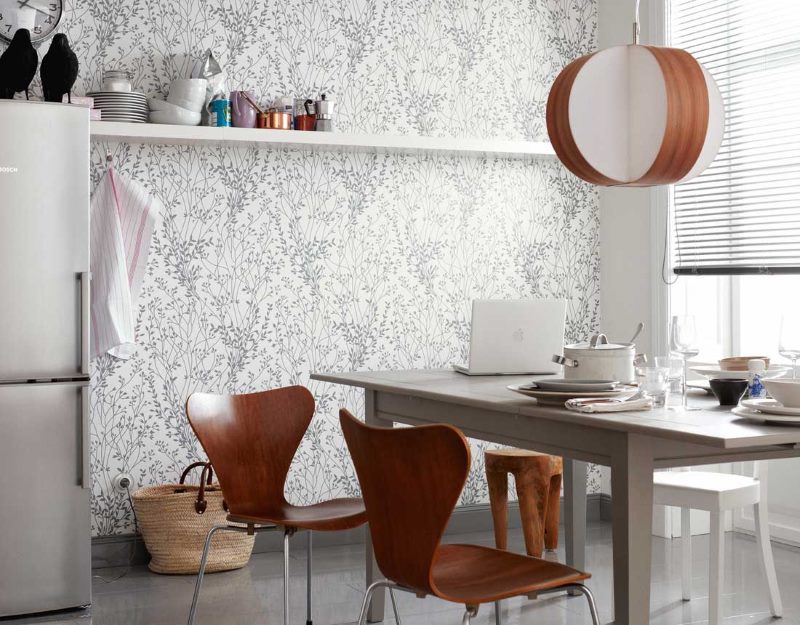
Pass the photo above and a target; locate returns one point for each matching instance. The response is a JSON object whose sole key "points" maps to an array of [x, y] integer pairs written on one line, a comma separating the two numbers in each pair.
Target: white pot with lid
{"points": [[597, 359]]}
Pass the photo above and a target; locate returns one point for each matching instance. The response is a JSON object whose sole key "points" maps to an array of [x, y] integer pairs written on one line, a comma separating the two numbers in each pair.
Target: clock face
{"points": [[40, 17]]}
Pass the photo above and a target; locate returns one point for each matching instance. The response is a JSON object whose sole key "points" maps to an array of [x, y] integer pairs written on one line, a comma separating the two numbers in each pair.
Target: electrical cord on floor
{"points": [[132, 548]]}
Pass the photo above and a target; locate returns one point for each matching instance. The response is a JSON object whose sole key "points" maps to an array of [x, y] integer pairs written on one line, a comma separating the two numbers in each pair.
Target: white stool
{"points": [[716, 493]]}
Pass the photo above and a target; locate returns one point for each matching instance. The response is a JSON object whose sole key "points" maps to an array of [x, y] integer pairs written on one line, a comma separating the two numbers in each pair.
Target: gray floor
{"points": [[253, 594]]}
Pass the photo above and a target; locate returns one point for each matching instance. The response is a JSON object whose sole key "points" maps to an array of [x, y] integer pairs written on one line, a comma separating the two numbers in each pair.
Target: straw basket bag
{"points": [[175, 519]]}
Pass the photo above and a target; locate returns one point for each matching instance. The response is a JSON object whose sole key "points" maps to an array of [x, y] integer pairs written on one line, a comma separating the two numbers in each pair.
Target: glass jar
{"points": [[117, 80]]}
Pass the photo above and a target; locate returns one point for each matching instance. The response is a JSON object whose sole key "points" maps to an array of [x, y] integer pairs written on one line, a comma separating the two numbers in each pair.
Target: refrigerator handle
{"points": [[86, 316], [86, 467]]}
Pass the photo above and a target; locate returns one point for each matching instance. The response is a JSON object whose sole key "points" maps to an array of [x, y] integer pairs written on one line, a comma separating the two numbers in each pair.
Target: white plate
{"points": [[117, 94], [562, 384], [775, 371], [763, 417], [114, 114], [770, 406], [559, 397]]}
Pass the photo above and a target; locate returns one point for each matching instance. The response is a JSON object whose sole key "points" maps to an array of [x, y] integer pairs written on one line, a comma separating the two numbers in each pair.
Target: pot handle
{"points": [[640, 360], [563, 360], [598, 339]]}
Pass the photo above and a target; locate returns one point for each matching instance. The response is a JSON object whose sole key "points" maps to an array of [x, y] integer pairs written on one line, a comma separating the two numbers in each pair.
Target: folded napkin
{"points": [[609, 404]]}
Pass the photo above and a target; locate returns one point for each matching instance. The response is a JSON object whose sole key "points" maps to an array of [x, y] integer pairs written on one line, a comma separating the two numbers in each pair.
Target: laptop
{"points": [[513, 337]]}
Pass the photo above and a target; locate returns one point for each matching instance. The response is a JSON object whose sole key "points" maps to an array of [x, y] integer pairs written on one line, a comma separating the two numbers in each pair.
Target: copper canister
{"points": [[278, 120]]}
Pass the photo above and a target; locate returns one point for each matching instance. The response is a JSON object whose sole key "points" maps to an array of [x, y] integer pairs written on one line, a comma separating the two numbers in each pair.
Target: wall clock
{"points": [[40, 17]]}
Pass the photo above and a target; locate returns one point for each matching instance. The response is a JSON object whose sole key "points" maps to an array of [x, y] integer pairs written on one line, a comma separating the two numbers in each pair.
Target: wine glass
{"points": [[789, 342], [683, 341]]}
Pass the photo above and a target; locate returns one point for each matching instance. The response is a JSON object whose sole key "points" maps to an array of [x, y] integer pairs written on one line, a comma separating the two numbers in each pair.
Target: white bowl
{"points": [[176, 116], [188, 93], [786, 391], [162, 105]]}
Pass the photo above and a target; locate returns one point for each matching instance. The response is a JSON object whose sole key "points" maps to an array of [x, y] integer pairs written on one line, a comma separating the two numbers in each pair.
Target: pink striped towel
{"points": [[122, 220]]}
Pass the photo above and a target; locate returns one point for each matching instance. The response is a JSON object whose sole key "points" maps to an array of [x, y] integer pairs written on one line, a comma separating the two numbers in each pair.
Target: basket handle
{"points": [[206, 478], [194, 465]]}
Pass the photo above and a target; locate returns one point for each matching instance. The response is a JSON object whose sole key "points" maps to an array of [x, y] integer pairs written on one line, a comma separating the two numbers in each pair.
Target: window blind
{"points": [[742, 215]]}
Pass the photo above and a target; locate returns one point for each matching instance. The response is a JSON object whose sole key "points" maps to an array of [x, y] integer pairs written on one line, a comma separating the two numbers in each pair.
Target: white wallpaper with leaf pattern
{"points": [[271, 264]]}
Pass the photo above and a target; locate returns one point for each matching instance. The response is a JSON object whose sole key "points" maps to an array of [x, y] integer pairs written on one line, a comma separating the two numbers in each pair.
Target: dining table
{"points": [[632, 444]]}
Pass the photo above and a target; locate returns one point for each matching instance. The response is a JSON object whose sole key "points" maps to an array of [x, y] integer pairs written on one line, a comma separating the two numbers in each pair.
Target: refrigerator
{"points": [[45, 482]]}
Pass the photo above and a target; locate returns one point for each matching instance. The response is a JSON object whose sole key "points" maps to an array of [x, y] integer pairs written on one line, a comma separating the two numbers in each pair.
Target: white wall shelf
{"points": [[163, 134]]}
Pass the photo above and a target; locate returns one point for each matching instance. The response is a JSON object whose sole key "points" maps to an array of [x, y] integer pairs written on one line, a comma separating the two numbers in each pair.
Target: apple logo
{"points": [[518, 335]]}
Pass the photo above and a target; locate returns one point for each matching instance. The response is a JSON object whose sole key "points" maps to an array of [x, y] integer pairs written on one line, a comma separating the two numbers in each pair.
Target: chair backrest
{"points": [[251, 440], [410, 479]]}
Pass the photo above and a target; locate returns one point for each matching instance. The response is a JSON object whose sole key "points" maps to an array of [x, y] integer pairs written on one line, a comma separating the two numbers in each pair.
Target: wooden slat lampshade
{"points": [[635, 116]]}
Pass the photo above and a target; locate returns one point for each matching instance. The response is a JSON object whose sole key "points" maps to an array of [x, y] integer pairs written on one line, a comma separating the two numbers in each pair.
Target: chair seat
{"points": [[331, 515], [471, 574], [704, 490]]}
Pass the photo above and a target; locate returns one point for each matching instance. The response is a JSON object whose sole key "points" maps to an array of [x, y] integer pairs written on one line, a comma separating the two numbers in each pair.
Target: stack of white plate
{"points": [[557, 391], [121, 106], [768, 411]]}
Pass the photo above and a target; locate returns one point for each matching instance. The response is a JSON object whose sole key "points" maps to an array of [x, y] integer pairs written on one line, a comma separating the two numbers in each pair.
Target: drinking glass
{"points": [[789, 342], [674, 366], [654, 383], [683, 341]]}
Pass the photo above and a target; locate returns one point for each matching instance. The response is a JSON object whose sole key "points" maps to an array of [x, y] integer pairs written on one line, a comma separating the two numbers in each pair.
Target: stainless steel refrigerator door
{"points": [[45, 551], [44, 240]]}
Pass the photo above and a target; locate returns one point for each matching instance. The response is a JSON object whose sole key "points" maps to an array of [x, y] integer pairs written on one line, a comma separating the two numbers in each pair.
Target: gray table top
{"points": [[711, 425]]}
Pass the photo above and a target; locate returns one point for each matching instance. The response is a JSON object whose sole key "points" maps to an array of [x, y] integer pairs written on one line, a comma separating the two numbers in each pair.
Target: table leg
{"points": [[632, 519], [575, 512], [376, 608]]}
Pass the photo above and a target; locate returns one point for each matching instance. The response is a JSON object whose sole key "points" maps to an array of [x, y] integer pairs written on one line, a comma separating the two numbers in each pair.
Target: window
{"points": [[742, 215]]}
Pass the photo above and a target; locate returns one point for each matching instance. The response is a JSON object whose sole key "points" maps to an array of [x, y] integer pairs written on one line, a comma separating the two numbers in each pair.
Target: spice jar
{"points": [[117, 80]]}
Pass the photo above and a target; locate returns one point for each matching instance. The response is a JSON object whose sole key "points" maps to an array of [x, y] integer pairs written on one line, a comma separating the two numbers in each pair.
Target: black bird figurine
{"points": [[59, 70], [18, 65]]}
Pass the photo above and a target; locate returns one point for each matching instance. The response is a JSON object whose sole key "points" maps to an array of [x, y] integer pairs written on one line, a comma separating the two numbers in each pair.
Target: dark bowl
{"points": [[728, 391]]}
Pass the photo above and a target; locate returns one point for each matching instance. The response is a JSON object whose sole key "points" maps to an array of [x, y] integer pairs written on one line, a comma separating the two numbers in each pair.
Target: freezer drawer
{"points": [[45, 550], [44, 240]]}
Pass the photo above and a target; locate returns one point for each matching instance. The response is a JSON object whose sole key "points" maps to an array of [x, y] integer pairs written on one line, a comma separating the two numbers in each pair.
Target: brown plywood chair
{"points": [[411, 479], [251, 441]]}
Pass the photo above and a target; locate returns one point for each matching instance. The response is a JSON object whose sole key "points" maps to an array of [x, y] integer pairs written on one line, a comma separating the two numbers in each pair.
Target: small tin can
{"points": [[220, 115]]}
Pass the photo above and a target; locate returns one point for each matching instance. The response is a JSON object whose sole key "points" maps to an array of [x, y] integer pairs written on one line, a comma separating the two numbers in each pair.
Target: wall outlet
{"points": [[123, 482]]}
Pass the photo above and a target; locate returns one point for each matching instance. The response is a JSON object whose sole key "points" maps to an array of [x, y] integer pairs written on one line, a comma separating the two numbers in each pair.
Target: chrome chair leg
{"points": [[394, 607], [498, 618], [590, 599], [362, 616], [204, 562], [472, 610], [286, 534], [308, 581], [202, 571]]}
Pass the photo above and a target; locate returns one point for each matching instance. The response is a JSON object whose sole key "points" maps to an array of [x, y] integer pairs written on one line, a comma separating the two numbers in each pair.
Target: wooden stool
{"points": [[538, 480]]}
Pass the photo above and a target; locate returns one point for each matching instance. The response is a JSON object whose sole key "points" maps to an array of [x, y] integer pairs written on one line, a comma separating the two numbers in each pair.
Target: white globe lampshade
{"points": [[635, 116]]}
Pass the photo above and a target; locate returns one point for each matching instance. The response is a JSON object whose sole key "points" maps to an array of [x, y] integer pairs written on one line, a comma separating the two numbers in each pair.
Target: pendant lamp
{"points": [[635, 115]]}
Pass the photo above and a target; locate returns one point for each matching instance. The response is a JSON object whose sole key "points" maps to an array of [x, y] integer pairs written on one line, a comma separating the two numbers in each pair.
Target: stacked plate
{"points": [[557, 391], [715, 373], [767, 411], [121, 106]]}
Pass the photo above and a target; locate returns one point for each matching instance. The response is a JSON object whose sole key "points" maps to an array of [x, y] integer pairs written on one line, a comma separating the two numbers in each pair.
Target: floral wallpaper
{"points": [[270, 264]]}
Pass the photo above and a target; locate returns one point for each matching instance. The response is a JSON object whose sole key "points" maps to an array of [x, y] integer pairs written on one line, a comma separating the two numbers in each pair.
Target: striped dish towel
{"points": [[123, 216]]}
